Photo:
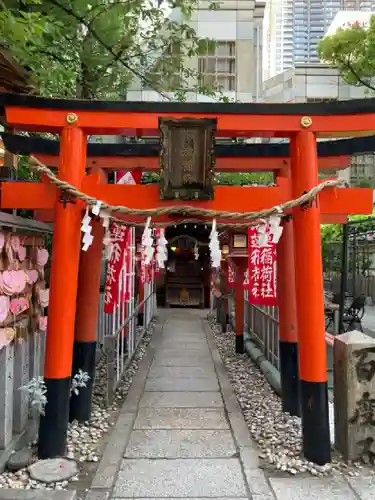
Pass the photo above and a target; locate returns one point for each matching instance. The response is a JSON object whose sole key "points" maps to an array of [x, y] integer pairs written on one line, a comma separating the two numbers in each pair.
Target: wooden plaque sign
{"points": [[187, 158]]}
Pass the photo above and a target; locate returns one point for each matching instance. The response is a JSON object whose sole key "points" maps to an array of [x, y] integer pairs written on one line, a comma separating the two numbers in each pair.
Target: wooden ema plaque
{"points": [[187, 158]]}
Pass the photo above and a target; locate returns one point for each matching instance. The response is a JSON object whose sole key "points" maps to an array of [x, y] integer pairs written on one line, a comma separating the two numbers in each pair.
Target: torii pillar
{"points": [[288, 331], [310, 302], [63, 298], [85, 337]]}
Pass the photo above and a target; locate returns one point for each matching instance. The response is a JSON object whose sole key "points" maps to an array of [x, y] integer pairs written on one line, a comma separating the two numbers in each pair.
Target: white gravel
{"points": [[278, 434], [84, 439]]}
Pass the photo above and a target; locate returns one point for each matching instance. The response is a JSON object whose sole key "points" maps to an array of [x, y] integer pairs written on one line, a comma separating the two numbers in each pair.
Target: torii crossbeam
{"points": [[301, 123]]}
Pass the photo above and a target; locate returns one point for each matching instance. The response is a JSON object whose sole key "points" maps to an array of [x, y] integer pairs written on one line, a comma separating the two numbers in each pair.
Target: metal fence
{"points": [[118, 334], [262, 323]]}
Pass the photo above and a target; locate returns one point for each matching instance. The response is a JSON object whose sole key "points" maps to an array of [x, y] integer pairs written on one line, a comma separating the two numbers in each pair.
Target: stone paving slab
{"points": [[194, 372], [182, 360], [181, 400], [181, 384], [180, 418], [184, 345], [363, 486], [186, 353], [180, 444], [182, 337], [313, 488], [221, 477]]}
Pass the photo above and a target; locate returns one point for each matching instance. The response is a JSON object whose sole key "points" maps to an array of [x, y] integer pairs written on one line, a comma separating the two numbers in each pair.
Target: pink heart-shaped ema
{"points": [[22, 253], [43, 323], [15, 243], [14, 282], [2, 241], [43, 296], [6, 336], [18, 306], [1, 283], [9, 252], [4, 307], [32, 276], [42, 256]]}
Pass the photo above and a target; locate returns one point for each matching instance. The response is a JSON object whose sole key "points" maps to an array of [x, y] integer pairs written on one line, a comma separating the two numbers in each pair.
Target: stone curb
{"points": [[248, 452], [106, 473], [13, 494]]}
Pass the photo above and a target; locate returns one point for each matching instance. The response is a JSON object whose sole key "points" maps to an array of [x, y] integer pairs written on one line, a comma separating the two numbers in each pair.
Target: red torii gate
{"points": [[73, 120]]}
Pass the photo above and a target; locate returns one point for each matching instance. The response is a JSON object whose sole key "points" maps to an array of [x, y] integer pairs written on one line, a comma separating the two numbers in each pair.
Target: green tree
{"points": [[95, 49], [331, 236], [352, 51]]}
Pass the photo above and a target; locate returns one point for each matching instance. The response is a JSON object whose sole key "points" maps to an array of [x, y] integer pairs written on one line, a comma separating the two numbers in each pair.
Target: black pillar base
{"points": [[140, 319], [54, 424], [84, 355], [315, 422], [239, 344], [289, 377]]}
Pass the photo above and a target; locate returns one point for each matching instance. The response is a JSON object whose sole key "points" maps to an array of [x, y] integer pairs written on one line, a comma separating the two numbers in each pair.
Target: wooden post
{"points": [[241, 264], [310, 303], [141, 296], [288, 332], [63, 295], [84, 353], [224, 267]]}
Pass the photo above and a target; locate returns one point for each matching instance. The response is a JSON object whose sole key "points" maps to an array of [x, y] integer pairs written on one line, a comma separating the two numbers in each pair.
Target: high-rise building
{"points": [[363, 5], [235, 64], [293, 29]]}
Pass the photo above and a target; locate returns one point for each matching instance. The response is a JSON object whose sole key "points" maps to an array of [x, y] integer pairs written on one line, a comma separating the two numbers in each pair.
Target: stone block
{"points": [[354, 396]]}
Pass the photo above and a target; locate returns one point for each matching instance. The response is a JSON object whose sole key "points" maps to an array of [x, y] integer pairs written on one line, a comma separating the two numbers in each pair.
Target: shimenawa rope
{"points": [[188, 210]]}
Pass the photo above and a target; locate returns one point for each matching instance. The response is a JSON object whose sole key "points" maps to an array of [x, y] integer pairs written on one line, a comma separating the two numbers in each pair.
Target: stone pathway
{"points": [[181, 433]]}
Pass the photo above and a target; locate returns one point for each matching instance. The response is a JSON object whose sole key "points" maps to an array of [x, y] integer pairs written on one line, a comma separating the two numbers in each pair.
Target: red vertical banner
{"points": [[262, 270], [143, 268], [115, 263], [157, 236], [149, 271], [127, 270]]}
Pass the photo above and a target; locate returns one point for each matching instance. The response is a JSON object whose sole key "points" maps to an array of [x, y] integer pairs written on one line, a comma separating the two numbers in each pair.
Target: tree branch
{"points": [[105, 9], [356, 76], [117, 58]]}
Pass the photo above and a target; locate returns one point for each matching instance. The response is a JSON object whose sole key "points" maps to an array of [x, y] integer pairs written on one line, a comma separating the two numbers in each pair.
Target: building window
{"points": [[218, 66]]}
